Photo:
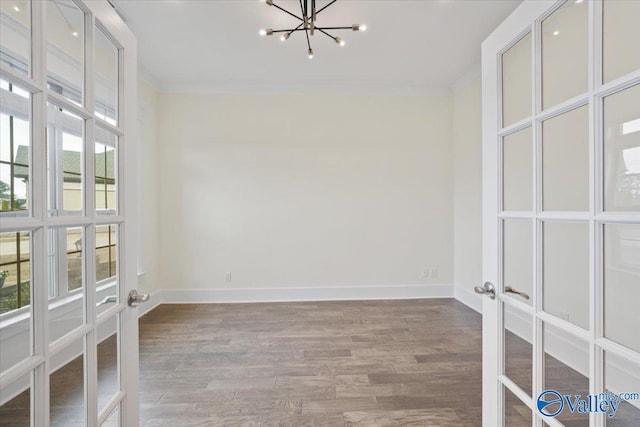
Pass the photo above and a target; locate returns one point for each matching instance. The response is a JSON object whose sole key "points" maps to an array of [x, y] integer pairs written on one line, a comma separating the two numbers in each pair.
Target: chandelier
{"points": [[308, 23]]}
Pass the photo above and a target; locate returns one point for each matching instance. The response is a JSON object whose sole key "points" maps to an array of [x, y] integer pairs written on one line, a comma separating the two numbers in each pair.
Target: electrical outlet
{"points": [[425, 273], [227, 277], [434, 273]]}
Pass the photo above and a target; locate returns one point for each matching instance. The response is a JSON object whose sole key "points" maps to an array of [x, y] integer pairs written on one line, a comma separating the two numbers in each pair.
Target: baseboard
{"points": [[335, 293], [468, 298]]}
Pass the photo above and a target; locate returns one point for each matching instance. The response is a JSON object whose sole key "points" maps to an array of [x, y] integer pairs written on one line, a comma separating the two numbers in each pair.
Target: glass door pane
{"points": [[620, 25], [65, 49], [622, 151], [622, 283], [517, 171], [566, 271], [516, 82], [15, 35], [67, 387], [565, 161], [564, 53]]}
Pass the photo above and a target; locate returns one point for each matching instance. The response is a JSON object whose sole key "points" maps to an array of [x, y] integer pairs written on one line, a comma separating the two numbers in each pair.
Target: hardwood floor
{"points": [[356, 363]]}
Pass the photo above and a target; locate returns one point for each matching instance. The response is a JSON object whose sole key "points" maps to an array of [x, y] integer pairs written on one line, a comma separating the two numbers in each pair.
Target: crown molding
{"points": [[251, 87]]}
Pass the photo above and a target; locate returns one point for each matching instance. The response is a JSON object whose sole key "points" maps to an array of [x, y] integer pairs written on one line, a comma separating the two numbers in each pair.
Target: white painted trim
{"points": [[468, 297], [334, 293], [471, 75], [155, 299]]}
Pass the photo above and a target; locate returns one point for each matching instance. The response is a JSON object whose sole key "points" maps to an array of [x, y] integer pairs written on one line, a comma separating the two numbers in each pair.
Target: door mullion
{"points": [[91, 355], [39, 298], [537, 333]]}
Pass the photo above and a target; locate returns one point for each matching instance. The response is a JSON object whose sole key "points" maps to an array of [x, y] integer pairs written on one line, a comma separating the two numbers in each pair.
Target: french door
{"points": [[561, 225], [68, 340]]}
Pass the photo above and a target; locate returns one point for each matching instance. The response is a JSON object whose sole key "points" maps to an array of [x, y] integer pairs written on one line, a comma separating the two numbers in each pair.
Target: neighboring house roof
{"points": [[71, 165]]}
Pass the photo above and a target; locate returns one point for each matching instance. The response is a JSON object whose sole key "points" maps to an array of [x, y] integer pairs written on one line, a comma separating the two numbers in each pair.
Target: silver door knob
{"points": [[487, 289], [135, 298]]}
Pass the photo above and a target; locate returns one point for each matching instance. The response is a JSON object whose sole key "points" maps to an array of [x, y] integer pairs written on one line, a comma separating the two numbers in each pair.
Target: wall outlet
{"points": [[429, 273], [227, 277]]}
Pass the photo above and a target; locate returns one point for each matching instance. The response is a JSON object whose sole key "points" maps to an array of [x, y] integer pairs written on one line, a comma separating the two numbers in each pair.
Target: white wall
{"points": [[298, 191], [467, 189], [149, 187]]}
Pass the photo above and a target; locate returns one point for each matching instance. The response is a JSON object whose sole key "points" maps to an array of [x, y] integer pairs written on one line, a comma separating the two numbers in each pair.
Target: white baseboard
{"points": [[468, 298], [250, 295]]}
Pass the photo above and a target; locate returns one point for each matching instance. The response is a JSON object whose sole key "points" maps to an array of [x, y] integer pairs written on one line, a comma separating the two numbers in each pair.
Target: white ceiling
{"points": [[410, 46]]}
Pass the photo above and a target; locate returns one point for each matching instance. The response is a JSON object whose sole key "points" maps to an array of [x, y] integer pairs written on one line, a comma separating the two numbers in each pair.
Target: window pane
{"points": [[66, 278], [65, 49], [566, 271], [622, 151], [15, 112], [106, 170], [106, 78], [16, 412], [15, 268], [565, 161], [620, 26], [622, 283], [15, 35], [516, 82], [566, 369], [517, 254], [517, 171], [65, 134], [564, 53], [106, 252]]}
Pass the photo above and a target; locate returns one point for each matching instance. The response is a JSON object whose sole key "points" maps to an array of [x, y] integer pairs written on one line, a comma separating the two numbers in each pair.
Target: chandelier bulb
{"points": [[267, 32], [359, 27], [310, 53], [339, 41], [284, 37]]}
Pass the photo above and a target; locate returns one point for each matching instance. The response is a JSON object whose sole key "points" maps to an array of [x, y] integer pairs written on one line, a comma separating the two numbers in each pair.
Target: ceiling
{"points": [[410, 46]]}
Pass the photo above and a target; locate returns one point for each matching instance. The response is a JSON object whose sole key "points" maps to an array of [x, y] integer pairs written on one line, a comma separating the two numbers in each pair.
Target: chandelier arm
{"points": [[288, 31], [302, 9], [287, 12], [326, 6], [334, 28], [325, 33]]}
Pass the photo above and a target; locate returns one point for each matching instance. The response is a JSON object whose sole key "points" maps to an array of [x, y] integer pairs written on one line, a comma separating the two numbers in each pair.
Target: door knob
{"points": [[487, 289], [108, 300], [135, 298]]}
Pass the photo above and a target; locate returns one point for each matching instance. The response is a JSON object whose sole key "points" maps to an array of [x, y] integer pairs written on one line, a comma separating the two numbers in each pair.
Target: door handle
{"points": [[510, 290], [108, 300], [486, 289], [135, 298]]}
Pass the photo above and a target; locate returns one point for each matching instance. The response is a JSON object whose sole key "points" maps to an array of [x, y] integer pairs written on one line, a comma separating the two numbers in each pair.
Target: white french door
{"points": [[68, 338], [561, 215]]}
